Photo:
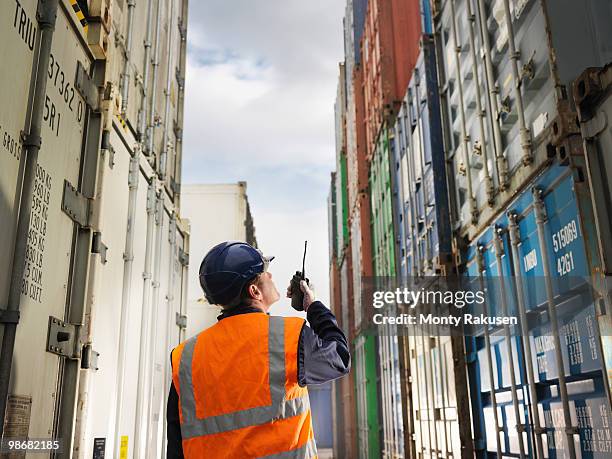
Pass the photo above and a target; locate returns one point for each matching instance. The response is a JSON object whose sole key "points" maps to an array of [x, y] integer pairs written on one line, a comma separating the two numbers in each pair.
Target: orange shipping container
{"points": [[358, 176], [389, 50], [361, 245]]}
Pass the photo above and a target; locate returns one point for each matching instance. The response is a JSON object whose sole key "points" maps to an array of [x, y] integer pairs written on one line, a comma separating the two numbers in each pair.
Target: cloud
{"points": [[260, 88]]}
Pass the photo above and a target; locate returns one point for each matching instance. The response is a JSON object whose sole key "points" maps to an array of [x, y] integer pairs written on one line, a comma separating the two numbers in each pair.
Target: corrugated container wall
{"points": [[332, 226], [389, 48], [506, 78], [384, 264], [551, 275], [152, 80], [320, 398], [383, 237], [592, 93], [367, 390], [104, 211], [341, 165], [361, 243], [359, 9], [350, 120], [342, 258], [425, 248], [431, 385], [593, 97]]}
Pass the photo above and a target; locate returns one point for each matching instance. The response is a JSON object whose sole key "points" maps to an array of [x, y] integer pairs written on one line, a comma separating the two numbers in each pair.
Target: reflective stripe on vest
{"points": [[278, 409], [308, 451]]}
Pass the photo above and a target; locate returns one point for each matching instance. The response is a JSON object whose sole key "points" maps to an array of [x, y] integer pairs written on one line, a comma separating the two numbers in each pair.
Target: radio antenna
{"points": [[304, 260]]}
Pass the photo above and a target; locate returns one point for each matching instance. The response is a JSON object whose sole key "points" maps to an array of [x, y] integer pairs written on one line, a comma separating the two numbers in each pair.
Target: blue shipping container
{"points": [[321, 407], [359, 13], [540, 253], [422, 198]]}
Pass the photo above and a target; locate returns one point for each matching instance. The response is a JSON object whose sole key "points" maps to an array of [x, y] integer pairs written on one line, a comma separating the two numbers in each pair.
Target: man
{"points": [[239, 387]]}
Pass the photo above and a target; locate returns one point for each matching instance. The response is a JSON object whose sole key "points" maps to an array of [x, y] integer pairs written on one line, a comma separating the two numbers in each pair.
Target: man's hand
{"points": [[309, 294]]}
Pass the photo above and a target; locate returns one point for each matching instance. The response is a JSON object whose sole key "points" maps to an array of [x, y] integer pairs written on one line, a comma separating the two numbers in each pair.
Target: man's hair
{"points": [[244, 298]]}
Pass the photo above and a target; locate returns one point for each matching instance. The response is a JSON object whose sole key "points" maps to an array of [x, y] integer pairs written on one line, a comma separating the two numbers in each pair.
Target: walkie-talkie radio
{"points": [[297, 296]]}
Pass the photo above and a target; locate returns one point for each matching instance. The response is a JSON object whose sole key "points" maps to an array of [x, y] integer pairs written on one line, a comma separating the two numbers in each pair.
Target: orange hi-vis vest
{"points": [[238, 391]]}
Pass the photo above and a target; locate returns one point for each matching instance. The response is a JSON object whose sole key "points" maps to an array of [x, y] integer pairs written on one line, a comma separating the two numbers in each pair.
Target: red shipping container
{"points": [[360, 130], [389, 50], [347, 387], [361, 259], [356, 156], [334, 288], [344, 406]]}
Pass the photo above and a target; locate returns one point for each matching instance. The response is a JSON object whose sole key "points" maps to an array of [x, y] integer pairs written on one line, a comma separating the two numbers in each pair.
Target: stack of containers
{"points": [[104, 286], [523, 214], [389, 48], [338, 402], [345, 437], [383, 264], [436, 390], [358, 203], [387, 56], [357, 254]]}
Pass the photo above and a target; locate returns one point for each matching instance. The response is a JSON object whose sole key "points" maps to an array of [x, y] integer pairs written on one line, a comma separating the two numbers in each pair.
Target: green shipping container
{"points": [[383, 259], [383, 238], [368, 430], [345, 203], [332, 219], [342, 210]]}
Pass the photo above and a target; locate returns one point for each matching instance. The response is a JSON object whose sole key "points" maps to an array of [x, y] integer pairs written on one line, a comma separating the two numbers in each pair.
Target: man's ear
{"points": [[254, 291]]}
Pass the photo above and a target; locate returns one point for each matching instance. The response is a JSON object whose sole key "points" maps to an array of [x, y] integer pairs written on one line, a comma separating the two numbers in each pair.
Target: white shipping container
{"points": [[35, 376], [356, 248], [340, 117], [345, 300], [229, 205], [505, 69], [162, 314], [391, 393], [104, 288]]}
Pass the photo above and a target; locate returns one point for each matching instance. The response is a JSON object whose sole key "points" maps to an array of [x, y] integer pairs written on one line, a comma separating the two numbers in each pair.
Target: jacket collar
{"points": [[240, 309]]}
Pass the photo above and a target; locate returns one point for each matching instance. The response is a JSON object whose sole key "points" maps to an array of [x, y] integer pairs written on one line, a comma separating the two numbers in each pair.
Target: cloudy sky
{"points": [[261, 84]]}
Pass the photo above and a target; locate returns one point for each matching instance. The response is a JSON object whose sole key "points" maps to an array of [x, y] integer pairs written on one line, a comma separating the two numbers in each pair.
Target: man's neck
{"points": [[241, 309]]}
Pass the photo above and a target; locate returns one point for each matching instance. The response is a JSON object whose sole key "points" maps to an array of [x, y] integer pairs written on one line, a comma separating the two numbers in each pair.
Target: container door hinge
{"points": [[182, 29], [75, 205], [181, 320], [175, 186], [479, 444], [105, 145], [178, 131], [183, 257], [9, 316], [89, 358], [62, 338], [87, 88], [97, 246]]}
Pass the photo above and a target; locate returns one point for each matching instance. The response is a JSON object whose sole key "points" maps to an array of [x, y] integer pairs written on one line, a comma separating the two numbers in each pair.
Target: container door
{"points": [[35, 381], [106, 302], [128, 416], [19, 31]]}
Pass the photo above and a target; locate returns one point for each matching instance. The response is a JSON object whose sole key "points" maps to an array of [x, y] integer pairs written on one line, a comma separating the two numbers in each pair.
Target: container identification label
{"points": [[123, 449], [99, 448], [32, 283], [17, 422]]}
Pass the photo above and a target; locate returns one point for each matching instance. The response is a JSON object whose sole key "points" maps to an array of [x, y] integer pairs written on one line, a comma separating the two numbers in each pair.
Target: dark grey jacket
{"points": [[323, 355]]}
